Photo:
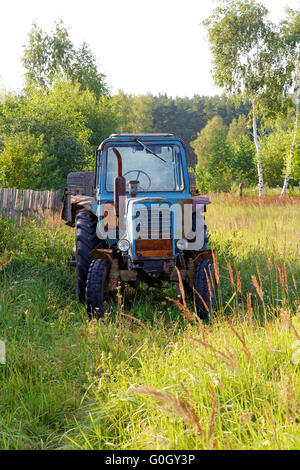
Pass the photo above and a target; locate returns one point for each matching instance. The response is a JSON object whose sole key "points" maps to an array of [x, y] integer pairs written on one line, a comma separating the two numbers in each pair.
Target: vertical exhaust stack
{"points": [[119, 183]]}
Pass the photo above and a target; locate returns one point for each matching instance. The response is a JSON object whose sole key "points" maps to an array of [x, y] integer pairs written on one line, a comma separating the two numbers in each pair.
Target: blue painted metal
{"points": [[171, 197], [106, 196]]}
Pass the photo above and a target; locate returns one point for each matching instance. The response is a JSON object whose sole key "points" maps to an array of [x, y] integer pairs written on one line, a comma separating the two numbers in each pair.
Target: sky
{"points": [[156, 46]]}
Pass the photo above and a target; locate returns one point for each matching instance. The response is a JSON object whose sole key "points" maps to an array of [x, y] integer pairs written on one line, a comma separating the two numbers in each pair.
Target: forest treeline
{"points": [[66, 109]]}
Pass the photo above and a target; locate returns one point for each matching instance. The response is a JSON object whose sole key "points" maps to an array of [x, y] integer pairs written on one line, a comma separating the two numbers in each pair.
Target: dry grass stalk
{"points": [[286, 280], [246, 417], [202, 300], [238, 280], [292, 397], [228, 359], [181, 288], [284, 318], [5, 259], [213, 413], [230, 272], [119, 299], [184, 310], [258, 288], [208, 283], [234, 357], [279, 272], [282, 277], [270, 342], [259, 276], [295, 331], [249, 309], [186, 391], [135, 320], [183, 306], [216, 266], [283, 392], [214, 445], [293, 277], [245, 349], [212, 278], [269, 263], [209, 364], [178, 407]]}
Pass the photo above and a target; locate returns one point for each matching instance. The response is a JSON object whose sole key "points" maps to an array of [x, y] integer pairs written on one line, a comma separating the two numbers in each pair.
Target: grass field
{"points": [[165, 381]]}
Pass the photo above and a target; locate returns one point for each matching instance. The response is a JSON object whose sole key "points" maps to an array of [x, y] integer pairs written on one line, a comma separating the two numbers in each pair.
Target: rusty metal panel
{"points": [[154, 248]]}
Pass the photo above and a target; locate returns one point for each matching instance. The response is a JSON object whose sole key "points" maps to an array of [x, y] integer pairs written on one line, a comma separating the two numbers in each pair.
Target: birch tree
{"points": [[245, 49], [291, 38]]}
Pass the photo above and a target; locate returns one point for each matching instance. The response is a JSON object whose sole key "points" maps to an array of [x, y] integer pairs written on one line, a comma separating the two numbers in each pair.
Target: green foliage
{"points": [[22, 160], [217, 175], [229, 157], [186, 117], [219, 163], [2, 92], [296, 162], [237, 129], [275, 152], [85, 70], [134, 112], [202, 145], [243, 162], [203, 180], [47, 56], [6, 232], [274, 148], [48, 133]]}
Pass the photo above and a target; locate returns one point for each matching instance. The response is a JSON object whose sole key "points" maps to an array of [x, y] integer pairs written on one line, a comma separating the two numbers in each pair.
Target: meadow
{"points": [[149, 375]]}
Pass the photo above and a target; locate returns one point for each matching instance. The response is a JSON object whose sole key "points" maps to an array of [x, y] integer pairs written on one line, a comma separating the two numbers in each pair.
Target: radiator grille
{"points": [[153, 223]]}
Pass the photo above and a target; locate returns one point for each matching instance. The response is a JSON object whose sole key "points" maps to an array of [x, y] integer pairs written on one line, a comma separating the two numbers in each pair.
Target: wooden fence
{"points": [[16, 203]]}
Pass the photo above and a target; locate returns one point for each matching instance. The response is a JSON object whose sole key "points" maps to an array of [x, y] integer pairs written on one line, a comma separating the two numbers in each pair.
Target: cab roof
{"points": [[128, 137], [140, 135]]}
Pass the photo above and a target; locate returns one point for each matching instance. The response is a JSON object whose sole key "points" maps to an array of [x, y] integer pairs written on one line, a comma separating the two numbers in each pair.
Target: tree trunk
{"points": [[290, 159], [258, 154]]}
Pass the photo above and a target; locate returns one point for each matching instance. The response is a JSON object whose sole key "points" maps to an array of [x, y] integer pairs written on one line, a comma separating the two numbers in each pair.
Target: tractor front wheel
{"points": [[86, 241], [204, 289], [95, 288]]}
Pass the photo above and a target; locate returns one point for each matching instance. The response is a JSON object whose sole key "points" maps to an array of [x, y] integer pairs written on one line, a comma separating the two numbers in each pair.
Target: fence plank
{"points": [[15, 203]]}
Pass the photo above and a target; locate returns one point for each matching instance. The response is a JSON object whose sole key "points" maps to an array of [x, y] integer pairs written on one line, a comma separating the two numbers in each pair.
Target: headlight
{"points": [[182, 244], [123, 244]]}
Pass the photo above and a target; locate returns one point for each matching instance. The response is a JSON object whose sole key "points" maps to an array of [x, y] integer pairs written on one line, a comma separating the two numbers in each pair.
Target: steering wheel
{"points": [[138, 172]]}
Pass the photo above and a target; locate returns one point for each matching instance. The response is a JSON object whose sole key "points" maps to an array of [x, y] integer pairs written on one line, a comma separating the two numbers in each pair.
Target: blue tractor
{"points": [[138, 217]]}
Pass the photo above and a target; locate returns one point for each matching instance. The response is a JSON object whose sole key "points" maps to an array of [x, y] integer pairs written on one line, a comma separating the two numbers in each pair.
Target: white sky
{"points": [[155, 46]]}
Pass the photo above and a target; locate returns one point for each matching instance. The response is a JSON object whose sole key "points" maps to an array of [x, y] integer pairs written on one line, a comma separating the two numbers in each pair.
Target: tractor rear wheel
{"points": [[86, 241], [204, 271], [95, 288]]}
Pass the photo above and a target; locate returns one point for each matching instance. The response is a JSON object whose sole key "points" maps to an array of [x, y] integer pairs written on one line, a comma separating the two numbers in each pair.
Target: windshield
{"points": [[157, 171]]}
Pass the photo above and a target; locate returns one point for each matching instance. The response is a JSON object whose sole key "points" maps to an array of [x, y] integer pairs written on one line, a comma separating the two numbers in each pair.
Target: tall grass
{"points": [[149, 375]]}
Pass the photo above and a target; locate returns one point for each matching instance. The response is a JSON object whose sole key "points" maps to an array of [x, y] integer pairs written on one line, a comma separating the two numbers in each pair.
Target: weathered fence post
{"points": [[15, 203]]}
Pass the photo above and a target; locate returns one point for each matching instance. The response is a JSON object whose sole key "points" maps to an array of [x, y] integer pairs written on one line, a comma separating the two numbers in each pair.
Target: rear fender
{"points": [[73, 203]]}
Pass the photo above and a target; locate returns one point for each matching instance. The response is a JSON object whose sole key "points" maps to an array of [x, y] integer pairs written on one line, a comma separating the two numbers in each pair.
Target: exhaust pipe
{"points": [[119, 184]]}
